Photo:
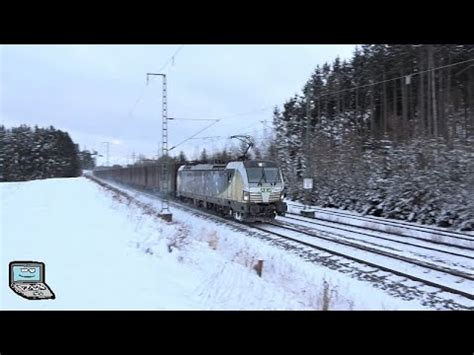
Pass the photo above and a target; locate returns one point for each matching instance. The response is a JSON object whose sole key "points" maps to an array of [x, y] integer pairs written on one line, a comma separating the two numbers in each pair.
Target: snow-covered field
{"points": [[103, 252]]}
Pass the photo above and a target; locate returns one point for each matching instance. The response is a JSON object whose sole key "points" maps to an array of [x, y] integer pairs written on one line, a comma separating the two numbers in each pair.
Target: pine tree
{"points": [[182, 158], [203, 158]]}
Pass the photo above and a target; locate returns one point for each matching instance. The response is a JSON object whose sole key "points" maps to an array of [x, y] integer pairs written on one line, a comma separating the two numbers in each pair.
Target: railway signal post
{"points": [[308, 187]]}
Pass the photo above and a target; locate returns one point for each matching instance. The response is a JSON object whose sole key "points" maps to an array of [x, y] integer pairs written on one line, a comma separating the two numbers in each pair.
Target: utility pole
{"points": [[108, 148], [165, 211], [308, 124], [307, 180]]}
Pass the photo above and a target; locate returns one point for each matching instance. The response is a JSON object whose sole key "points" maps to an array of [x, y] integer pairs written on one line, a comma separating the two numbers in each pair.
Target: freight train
{"points": [[249, 191]]}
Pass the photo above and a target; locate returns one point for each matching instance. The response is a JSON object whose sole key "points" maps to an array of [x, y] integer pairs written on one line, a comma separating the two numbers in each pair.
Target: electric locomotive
{"points": [[251, 190]]}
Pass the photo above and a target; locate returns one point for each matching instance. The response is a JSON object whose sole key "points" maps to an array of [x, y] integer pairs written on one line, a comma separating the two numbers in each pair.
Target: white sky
{"points": [[89, 91]]}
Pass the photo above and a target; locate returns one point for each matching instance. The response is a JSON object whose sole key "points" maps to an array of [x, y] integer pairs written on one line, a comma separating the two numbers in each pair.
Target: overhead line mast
{"points": [[165, 211]]}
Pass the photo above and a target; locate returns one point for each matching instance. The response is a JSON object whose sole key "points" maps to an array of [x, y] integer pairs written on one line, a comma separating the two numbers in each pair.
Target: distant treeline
{"points": [[230, 152], [38, 153]]}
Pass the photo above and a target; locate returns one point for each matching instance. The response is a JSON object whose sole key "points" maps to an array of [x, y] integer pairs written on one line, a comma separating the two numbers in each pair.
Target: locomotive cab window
{"points": [[263, 174]]}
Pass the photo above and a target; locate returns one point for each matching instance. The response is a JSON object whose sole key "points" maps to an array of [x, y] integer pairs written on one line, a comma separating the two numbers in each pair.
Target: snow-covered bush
{"points": [[425, 181]]}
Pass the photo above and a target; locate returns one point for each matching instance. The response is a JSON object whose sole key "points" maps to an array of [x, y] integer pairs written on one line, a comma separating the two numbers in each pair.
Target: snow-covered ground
{"points": [[103, 252]]}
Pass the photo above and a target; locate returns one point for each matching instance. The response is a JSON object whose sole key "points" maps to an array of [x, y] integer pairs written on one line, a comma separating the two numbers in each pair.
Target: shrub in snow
{"points": [[213, 240]]}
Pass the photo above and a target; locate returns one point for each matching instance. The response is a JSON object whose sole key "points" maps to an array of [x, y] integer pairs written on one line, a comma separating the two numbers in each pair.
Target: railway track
{"points": [[423, 243], [461, 277], [358, 252], [443, 292], [384, 222], [424, 281]]}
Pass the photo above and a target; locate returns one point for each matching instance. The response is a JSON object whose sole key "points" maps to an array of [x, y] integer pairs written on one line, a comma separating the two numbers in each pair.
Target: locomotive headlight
{"points": [[246, 196], [282, 195]]}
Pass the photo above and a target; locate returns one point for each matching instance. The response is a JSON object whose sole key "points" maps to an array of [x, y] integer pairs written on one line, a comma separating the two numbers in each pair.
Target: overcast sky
{"points": [[98, 93]]}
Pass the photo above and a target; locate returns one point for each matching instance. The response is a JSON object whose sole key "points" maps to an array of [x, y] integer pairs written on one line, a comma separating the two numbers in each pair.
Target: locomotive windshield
{"points": [[260, 175]]}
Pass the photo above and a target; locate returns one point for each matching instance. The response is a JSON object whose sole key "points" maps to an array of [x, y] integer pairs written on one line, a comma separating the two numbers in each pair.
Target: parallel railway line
{"points": [[435, 231]]}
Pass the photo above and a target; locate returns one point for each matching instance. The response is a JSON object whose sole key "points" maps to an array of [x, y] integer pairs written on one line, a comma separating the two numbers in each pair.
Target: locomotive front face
{"points": [[264, 182], [262, 189]]}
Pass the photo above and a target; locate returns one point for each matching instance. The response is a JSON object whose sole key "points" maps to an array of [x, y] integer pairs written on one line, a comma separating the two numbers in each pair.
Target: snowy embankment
{"points": [[104, 251]]}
